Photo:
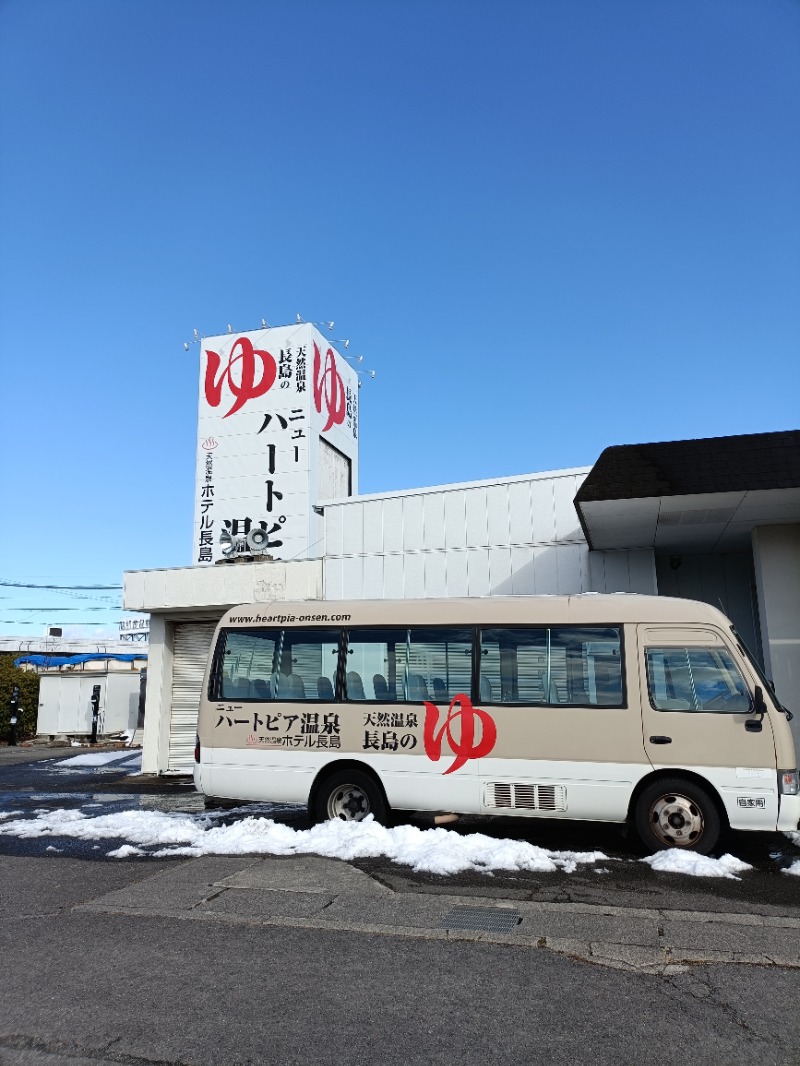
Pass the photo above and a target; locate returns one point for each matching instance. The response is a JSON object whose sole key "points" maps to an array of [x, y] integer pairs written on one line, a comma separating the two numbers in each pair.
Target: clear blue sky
{"points": [[549, 225]]}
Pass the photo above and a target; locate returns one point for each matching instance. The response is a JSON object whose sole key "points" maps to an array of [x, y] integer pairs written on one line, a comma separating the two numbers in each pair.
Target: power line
{"points": [[24, 584], [17, 622], [52, 610], [83, 588]]}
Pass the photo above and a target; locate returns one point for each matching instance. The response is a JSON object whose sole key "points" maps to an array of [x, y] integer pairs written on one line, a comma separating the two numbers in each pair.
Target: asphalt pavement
{"points": [[300, 959]]}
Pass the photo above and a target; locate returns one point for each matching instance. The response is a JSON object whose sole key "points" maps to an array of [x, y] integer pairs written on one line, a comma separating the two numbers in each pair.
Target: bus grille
{"points": [[510, 795]]}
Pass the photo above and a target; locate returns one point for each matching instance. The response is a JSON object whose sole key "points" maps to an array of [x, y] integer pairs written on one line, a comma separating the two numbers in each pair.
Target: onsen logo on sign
{"points": [[328, 387], [254, 375]]}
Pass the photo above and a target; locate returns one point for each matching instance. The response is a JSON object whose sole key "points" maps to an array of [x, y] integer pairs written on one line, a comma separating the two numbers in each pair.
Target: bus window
{"points": [[437, 664], [307, 665], [371, 670], [409, 665], [248, 662], [695, 679], [568, 666]]}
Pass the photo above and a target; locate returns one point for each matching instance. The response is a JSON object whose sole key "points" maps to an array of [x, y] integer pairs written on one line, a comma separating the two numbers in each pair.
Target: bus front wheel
{"points": [[677, 813], [349, 796]]}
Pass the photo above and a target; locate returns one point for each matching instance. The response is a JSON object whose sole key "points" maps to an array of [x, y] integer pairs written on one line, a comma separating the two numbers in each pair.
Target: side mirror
{"points": [[760, 708], [760, 704]]}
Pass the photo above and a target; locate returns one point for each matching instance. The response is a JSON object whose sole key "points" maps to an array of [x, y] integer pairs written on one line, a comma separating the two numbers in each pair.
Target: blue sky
{"points": [[549, 227]]}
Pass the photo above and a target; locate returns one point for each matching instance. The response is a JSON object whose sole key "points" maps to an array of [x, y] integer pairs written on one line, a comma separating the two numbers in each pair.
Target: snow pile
{"points": [[437, 851], [793, 869], [678, 861], [111, 760]]}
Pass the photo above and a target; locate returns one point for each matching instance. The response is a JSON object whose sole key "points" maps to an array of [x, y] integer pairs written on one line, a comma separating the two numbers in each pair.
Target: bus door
{"points": [[698, 714]]}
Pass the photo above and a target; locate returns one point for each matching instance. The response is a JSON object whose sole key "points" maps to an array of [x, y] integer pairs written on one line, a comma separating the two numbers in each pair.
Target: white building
{"points": [[717, 520]]}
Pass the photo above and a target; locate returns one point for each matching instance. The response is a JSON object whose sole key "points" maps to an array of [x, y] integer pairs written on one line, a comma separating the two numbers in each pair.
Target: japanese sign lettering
{"points": [[267, 400]]}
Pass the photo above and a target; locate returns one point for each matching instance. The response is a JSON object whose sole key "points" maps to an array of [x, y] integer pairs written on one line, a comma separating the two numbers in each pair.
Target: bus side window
{"points": [[568, 666], [308, 657], [248, 661], [371, 665], [695, 679], [438, 663]]}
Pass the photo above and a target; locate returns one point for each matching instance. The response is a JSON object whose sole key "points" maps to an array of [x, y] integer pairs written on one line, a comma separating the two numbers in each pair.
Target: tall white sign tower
{"points": [[277, 432]]}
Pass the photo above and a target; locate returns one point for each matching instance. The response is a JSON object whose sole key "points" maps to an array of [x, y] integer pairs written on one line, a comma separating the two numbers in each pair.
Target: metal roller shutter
{"points": [[190, 652]]}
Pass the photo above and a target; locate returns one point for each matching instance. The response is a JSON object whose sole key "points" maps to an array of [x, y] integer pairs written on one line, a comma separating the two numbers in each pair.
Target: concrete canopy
{"points": [[696, 496]]}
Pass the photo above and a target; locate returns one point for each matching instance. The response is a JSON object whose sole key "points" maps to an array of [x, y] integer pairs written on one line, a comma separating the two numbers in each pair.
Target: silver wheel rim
{"points": [[676, 821], [348, 803]]}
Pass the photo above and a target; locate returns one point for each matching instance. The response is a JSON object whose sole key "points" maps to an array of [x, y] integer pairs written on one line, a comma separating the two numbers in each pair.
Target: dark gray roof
{"points": [[681, 467]]}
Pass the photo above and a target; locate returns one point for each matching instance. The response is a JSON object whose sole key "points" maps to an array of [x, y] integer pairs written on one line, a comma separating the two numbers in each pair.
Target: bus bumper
{"points": [[789, 814]]}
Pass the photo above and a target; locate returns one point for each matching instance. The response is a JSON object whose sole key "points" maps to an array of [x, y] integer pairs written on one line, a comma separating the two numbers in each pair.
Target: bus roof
{"points": [[586, 608]]}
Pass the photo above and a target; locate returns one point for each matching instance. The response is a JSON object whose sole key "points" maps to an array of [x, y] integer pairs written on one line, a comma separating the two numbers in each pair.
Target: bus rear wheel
{"points": [[677, 813], [349, 796]]}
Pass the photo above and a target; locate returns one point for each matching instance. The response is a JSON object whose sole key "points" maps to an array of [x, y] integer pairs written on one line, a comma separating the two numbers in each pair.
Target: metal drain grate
{"points": [[486, 919]]}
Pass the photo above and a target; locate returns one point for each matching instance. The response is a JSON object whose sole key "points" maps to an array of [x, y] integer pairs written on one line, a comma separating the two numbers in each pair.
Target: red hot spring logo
{"points": [[328, 387], [464, 745], [255, 375]]}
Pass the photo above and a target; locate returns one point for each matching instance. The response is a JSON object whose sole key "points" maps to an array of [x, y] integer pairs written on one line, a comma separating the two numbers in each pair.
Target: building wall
{"points": [[776, 554], [515, 536], [724, 580], [200, 594]]}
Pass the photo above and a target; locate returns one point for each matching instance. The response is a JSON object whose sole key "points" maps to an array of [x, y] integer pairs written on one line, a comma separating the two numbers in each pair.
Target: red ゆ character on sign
{"points": [[464, 747], [328, 386], [247, 387]]}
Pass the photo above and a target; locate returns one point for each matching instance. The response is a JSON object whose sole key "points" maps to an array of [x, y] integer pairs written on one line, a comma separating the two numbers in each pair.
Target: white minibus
{"points": [[613, 708]]}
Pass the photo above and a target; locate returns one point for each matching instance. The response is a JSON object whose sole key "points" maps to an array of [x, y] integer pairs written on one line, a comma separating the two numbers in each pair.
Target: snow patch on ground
{"points": [[125, 852], [437, 851], [677, 861], [793, 869], [101, 758]]}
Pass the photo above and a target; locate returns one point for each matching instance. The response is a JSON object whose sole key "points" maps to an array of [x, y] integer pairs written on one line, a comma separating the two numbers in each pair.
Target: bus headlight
{"points": [[788, 782]]}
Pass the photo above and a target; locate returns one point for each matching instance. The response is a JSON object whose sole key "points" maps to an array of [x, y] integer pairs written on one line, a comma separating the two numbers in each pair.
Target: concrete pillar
{"points": [[776, 555], [155, 745]]}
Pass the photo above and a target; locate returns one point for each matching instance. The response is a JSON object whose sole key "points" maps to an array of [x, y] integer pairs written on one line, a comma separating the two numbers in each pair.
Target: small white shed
{"points": [[65, 702]]}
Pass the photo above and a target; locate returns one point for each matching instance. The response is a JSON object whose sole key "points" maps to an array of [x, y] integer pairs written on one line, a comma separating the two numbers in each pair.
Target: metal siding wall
{"points": [[412, 523], [455, 521], [435, 574], [414, 576], [476, 519], [392, 524], [520, 527], [353, 530], [373, 527], [542, 518], [522, 580], [504, 539], [392, 577], [500, 571], [373, 576], [353, 577], [497, 514], [334, 582], [566, 518], [334, 543], [478, 572], [570, 569], [192, 644], [724, 580], [457, 578], [642, 571], [433, 519], [545, 571]]}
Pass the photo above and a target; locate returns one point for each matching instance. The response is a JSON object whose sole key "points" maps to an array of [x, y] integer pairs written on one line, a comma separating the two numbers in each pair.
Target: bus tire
{"points": [[349, 796], [674, 812]]}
